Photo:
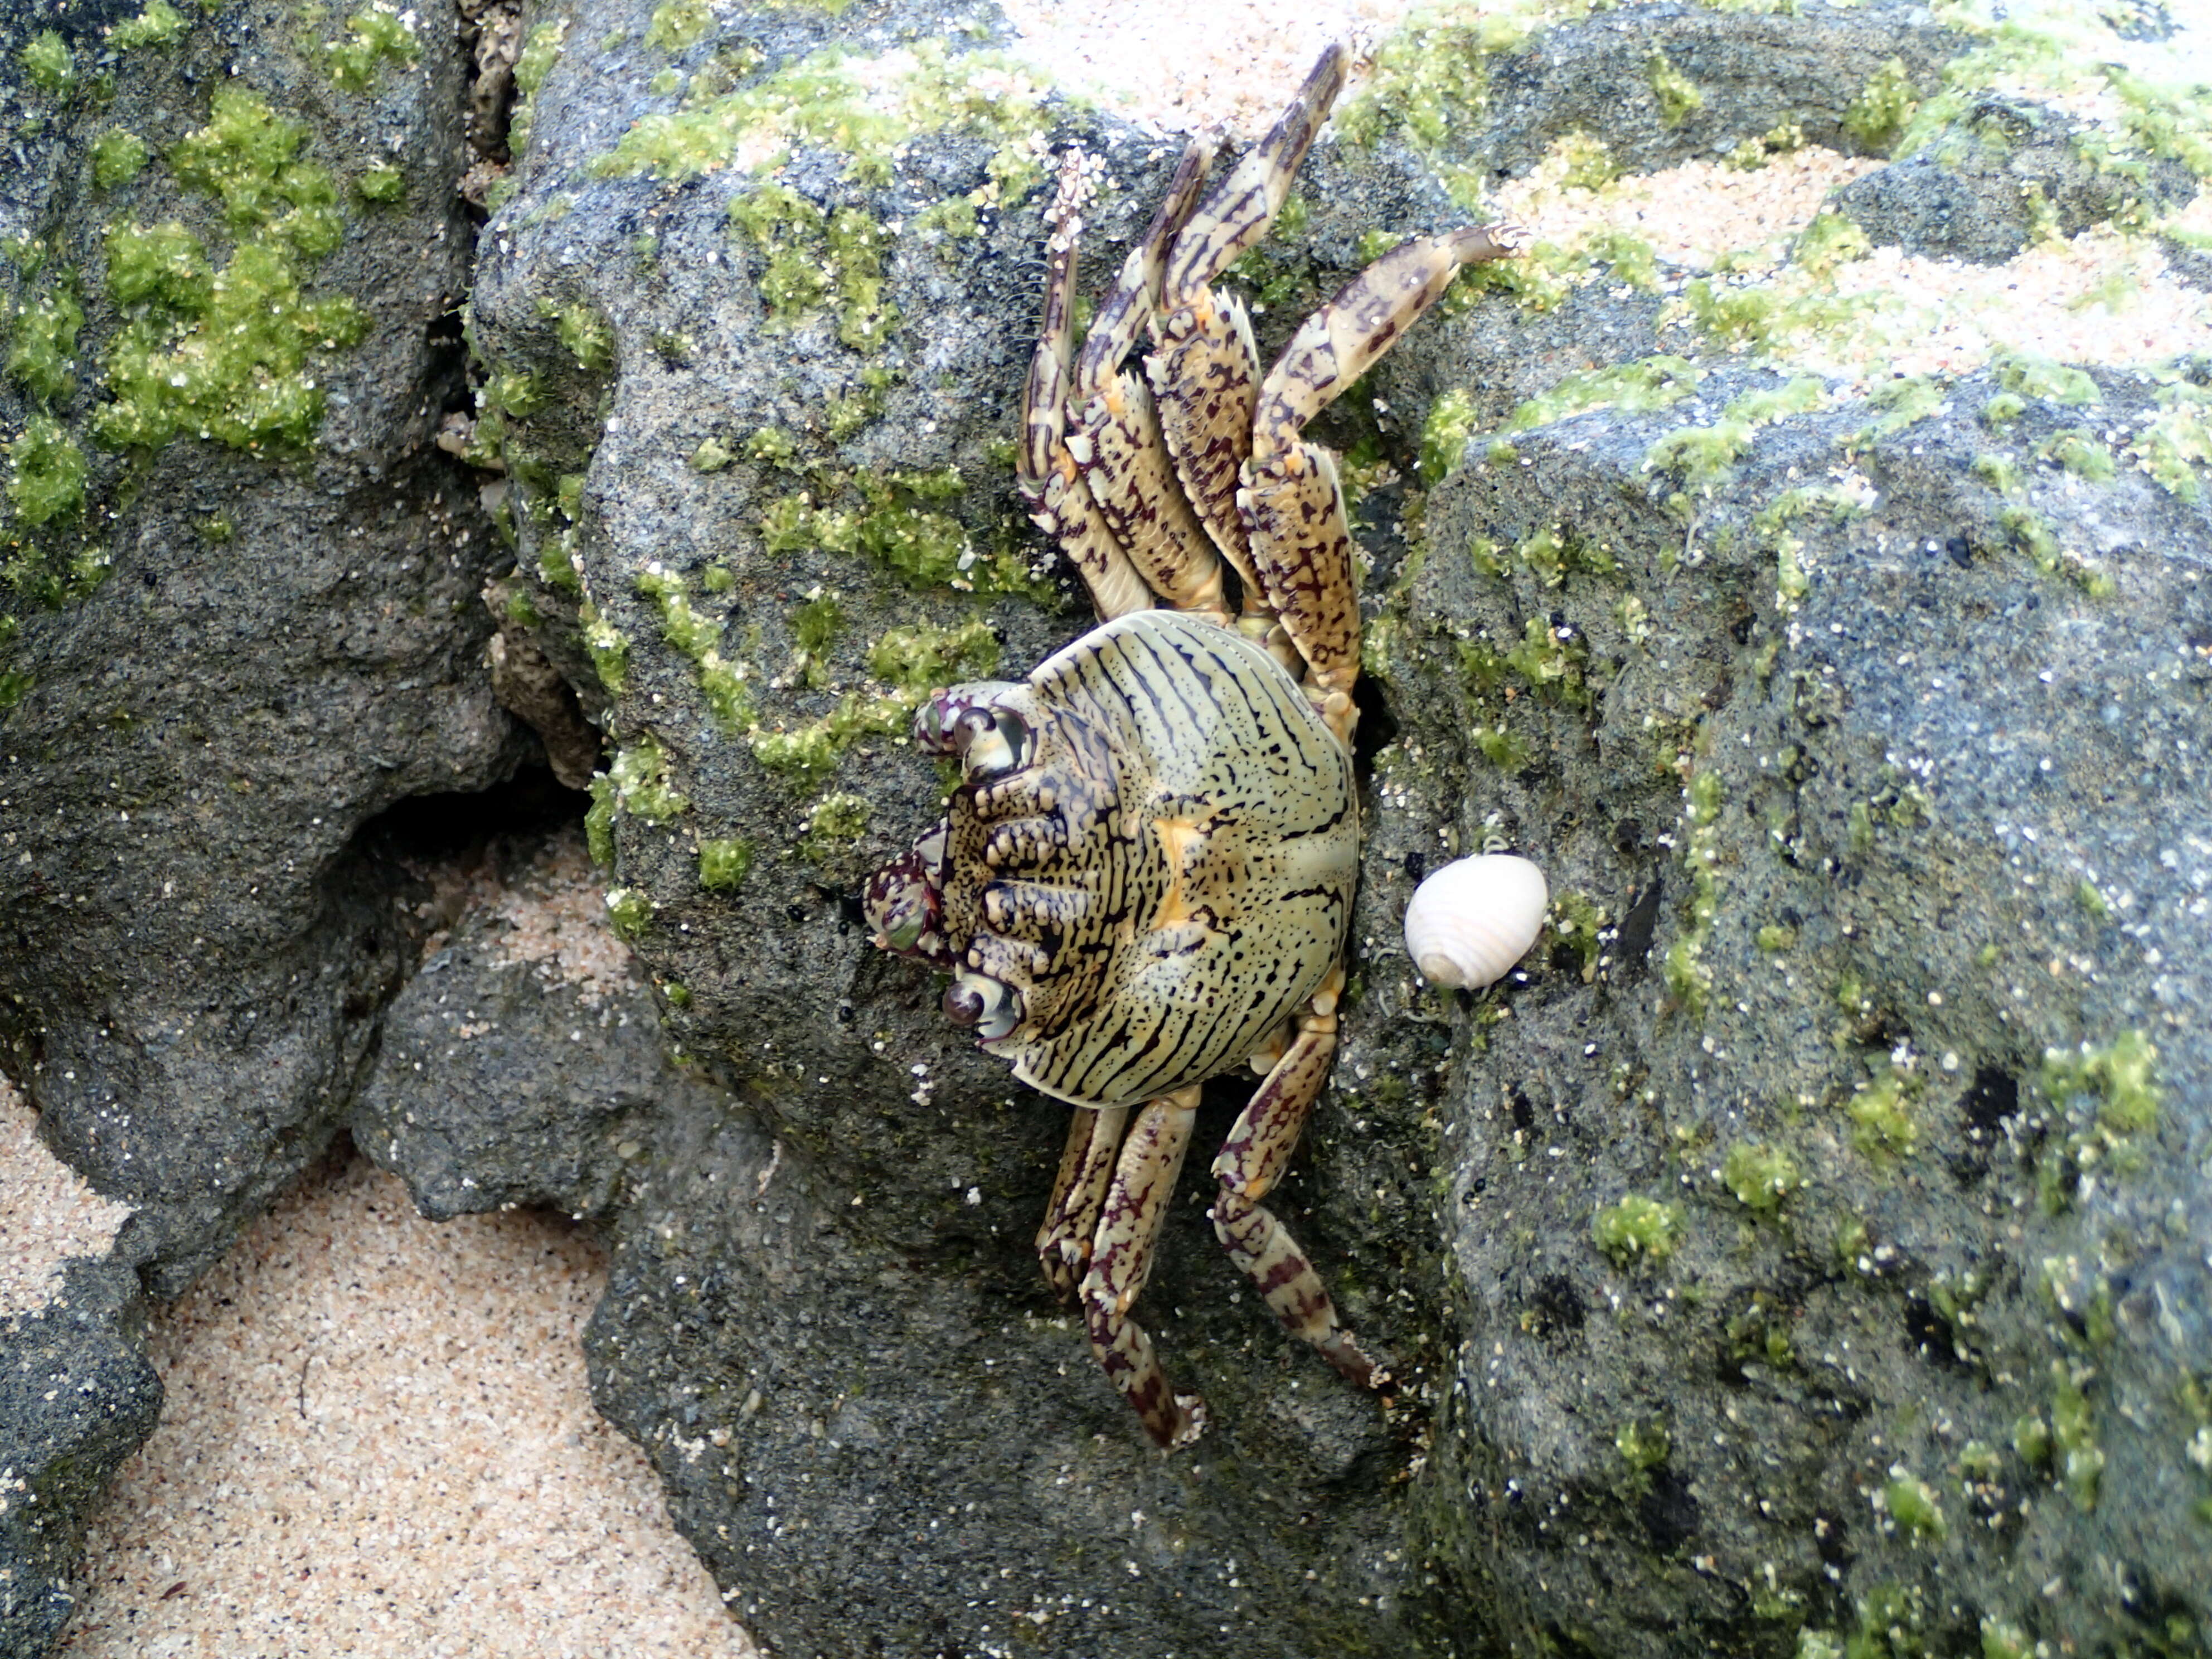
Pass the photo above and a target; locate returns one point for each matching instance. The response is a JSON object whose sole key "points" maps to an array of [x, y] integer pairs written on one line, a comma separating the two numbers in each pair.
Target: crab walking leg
{"points": [[1121, 1261], [1114, 436], [1291, 502], [1205, 376], [1060, 504], [1078, 1192], [1251, 1162]]}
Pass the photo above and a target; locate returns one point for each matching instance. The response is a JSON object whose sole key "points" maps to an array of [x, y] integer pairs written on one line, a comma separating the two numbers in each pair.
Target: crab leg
{"points": [[1121, 1261], [1114, 435], [1206, 374], [1251, 1161], [1060, 504], [1292, 504], [1079, 1192]]}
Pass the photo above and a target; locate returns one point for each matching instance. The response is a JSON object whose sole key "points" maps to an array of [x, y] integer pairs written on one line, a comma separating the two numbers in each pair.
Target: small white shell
{"points": [[1472, 920]]}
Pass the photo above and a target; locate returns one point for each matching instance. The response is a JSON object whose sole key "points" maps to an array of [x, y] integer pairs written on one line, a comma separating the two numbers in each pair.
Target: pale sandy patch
{"points": [[379, 1440], [556, 922], [47, 1212], [2103, 297], [1692, 214], [1175, 67]]}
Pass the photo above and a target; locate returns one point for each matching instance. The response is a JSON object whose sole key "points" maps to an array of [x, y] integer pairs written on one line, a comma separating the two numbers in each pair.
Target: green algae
{"points": [[2079, 451], [1904, 401], [1634, 388], [230, 355], [1677, 96], [49, 63], [834, 823], [1832, 239], [892, 526], [1884, 108], [47, 472], [117, 157], [807, 757], [382, 183], [678, 23], [41, 360], [1637, 1229], [226, 356], [636, 782], [725, 863], [588, 336], [541, 51], [923, 659], [2107, 1096], [1644, 1444], [2177, 441], [841, 101], [1914, 1505], [2041, 380], [1704, 455], [1444, 434], [159, 25], [247, 158], [378, 34], [813, 259], [609, 651], [1883, 1125], [723, 685], [1761, 1176], [630, 911]]}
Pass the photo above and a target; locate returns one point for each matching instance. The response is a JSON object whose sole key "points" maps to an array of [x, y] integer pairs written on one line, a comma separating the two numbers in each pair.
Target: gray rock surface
{"points": [[77, 1397], [1904, 872], [523, 1060], [804, 1364], [220, 657], [2003, 172]]}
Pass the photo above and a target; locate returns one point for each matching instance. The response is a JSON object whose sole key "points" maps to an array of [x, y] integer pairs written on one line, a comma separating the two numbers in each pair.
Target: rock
{"points": [[523, 1060], [1835, 1249], [760, 513], [77, 1397], [2004, 172], [249, 646], [239, 621]]}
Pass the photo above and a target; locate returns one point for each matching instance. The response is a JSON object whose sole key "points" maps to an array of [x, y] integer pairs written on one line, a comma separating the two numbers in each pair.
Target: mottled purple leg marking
{"points": [[1121, 1261], [1250, 1163], [1079, 1192]]}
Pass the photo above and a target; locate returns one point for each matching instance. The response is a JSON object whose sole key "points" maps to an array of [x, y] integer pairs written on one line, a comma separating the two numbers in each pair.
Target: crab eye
{"points": [[991, 1005], [990, 743]]}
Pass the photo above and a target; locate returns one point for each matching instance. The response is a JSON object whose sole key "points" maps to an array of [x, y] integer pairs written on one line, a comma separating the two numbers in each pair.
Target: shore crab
{"points": [[1147, 876]]}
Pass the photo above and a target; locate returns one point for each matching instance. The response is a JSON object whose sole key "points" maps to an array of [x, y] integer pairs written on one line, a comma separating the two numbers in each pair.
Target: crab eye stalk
{"points": [[989, 741], [991, 1005]]}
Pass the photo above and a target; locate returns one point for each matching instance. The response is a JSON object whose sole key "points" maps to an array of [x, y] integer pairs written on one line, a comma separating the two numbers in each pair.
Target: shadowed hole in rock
{"points": [[1377, 728]]}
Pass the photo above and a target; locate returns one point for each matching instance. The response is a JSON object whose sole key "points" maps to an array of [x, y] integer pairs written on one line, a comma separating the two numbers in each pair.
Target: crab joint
{"points": [[991, 1005]]}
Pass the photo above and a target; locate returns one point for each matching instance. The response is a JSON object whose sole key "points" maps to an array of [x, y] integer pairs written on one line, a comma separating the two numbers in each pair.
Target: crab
{"points": [[1146, 878]]}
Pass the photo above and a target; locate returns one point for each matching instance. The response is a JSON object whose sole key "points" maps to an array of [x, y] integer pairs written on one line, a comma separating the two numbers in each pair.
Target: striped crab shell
{"points": [[1156, 873]]}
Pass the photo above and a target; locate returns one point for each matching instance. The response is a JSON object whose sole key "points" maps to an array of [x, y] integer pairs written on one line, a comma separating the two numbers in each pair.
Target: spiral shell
{"points": [[1472, 920]]}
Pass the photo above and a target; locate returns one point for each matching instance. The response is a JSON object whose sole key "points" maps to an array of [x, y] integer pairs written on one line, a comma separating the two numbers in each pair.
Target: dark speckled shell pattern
{"points": [[1170, 876]]}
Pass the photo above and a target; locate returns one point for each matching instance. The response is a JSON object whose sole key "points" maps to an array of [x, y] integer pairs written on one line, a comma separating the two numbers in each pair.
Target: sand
{"points": [[378, 1438]]}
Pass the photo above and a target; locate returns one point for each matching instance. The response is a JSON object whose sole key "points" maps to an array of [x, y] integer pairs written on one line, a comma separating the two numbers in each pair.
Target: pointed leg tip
{"points": [[1190, 1421]]}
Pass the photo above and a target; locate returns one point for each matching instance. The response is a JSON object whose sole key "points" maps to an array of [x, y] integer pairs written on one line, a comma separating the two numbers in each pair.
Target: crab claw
{"points": [[904, 902], [991, 1005]]}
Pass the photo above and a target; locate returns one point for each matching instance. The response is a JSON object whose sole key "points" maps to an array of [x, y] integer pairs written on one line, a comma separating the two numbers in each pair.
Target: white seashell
{"points": [[1472, 920]]}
